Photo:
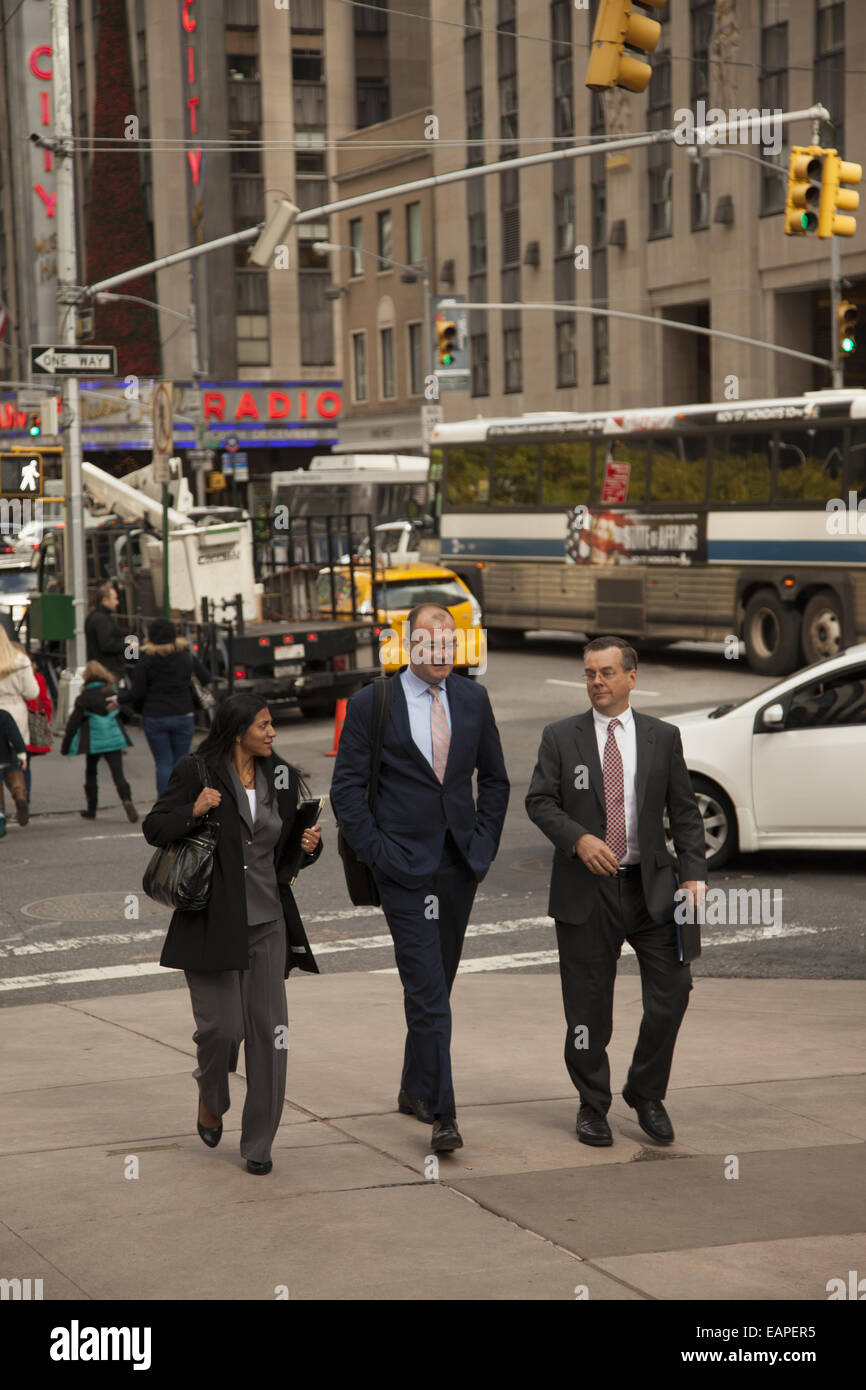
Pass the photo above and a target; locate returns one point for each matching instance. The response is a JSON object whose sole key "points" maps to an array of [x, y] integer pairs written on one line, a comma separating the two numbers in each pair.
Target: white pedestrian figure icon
{"points": [[30, 476]]}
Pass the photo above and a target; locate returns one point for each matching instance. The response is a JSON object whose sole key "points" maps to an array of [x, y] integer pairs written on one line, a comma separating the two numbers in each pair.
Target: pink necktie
{"points": [[441, 735], [614, 793]]}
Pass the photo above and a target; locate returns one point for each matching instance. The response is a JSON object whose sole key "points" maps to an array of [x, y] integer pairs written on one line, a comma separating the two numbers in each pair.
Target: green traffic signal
{"points": [[35, 426], [848, 344]]}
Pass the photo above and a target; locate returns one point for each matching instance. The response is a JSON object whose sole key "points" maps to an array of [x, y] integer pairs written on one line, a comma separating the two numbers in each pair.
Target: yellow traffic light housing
{"points": [[620, 24], [837, 201], [847, 315], [446, 334], [805, 181]]}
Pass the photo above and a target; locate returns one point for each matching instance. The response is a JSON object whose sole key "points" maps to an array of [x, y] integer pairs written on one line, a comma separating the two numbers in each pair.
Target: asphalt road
{"points": [[74, 923]]}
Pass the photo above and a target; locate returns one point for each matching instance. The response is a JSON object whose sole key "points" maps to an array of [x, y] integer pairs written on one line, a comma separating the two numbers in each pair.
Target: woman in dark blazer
{"points": [[237, 951]]}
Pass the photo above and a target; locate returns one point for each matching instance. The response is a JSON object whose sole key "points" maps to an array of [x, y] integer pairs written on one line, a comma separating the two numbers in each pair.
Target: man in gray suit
{"points": [[599, 792]]}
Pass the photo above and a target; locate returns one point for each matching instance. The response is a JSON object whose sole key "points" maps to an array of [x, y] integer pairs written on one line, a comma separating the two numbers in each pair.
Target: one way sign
{"points": [[72, 361]]}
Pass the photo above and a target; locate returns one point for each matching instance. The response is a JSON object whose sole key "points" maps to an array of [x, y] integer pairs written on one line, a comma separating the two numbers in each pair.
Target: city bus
{"points": [[706, 522]]}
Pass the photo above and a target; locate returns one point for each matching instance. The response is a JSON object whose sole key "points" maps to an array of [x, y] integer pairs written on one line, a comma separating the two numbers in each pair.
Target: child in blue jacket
{"points": [[94, 729]]}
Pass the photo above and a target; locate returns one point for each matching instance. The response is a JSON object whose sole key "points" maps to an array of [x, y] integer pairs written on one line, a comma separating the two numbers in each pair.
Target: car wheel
{"points": [[719, 820], [771, 631], [822, 626]]}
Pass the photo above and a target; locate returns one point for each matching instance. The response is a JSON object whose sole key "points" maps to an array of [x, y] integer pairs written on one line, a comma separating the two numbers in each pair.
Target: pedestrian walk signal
{"points": [[20, 475], [446, 334], [847, 315]]}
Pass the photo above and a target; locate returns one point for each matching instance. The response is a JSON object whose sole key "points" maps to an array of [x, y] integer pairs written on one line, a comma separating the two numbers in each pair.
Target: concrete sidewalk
{"points": [[767, 1082]]}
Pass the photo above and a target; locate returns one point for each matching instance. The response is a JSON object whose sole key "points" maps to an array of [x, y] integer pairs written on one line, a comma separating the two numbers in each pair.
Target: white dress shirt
{"points": [[419, 702], [626, 742]]}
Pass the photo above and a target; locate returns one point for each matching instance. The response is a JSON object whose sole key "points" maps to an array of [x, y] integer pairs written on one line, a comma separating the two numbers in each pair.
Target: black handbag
{"points": [[179, 875], [359, 876]]}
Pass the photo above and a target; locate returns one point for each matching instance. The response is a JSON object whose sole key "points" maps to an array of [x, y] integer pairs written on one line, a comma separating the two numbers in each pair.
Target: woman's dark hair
{"points": [[231, 719], [161, 632]]}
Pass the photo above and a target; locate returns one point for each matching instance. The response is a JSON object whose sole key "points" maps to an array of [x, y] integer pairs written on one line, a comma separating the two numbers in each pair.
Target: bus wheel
{"points": [[822, 626], [771, 633]]}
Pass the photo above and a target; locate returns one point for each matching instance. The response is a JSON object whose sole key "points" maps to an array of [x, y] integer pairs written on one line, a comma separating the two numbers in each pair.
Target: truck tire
{"points": [[771, 632], [823, 626]]}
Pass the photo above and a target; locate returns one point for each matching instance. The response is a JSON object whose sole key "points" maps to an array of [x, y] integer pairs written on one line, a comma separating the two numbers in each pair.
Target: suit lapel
{"points": [[587, 748], [645, 744], [240, 796]]}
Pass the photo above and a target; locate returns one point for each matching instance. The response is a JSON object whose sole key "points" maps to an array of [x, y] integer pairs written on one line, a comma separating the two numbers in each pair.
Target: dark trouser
{"points": [[235, 1006], [115, 764], [588, 953], [169, 737], [428, 924]]}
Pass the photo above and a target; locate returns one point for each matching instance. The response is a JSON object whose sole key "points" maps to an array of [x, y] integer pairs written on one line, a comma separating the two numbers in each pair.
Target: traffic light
{"points": [[847, 315], [620, 24], [446, 333], [805, 178], [34, 423], [837, 201]]}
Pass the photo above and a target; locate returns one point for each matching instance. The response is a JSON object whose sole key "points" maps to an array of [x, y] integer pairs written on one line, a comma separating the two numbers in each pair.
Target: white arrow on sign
{"points": [[53, 359]]}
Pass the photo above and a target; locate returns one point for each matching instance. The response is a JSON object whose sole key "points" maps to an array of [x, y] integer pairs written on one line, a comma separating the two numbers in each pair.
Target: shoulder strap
{"points": [[383, 694], [201, 769]]}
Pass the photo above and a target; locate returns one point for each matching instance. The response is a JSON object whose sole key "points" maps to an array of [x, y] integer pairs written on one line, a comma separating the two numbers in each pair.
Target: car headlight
{"points": [[365, 608], [475, 606]]}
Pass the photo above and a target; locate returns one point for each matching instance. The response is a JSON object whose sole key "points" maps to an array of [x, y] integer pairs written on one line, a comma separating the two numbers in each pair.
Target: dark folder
{"points": [[688, 941], [306, 816]]}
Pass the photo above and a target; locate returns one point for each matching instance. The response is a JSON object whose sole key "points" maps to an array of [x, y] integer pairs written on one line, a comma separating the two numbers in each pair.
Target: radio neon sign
{"points": [[189, 26], [43, 74]]}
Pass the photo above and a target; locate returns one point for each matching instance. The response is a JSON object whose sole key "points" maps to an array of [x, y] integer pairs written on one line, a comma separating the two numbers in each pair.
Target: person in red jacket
{"points": [[41, 705]]}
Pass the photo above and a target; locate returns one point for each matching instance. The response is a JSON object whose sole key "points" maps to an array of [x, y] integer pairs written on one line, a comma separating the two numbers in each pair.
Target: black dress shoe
{"points": [[259, 1168], [446, 1135], [210, 1136], [651, 1116], [593, 1128], [407, 1106]]}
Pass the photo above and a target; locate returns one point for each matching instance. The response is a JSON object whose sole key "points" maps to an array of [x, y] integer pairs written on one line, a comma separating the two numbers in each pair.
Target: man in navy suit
{"points": [[429, 845]]}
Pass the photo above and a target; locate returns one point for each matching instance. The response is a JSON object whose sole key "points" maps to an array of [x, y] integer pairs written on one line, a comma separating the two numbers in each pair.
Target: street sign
{"points": [[216, 482], [200, 458], [161, 470], [241, 468], [85, 325], [21, 475], [431, 416], [72, 361], [163, 418], [31, 400]]}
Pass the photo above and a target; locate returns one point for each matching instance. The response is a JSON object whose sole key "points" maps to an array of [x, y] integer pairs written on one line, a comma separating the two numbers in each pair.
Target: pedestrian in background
{"points": [[17, 686], [161, 691], [237, 951], [427, 843], [13, 756], [105, 640], [39, 715], [94, 729]]}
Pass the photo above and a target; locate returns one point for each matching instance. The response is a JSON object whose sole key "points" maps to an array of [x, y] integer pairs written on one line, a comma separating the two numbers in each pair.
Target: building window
{"points": [[506, 68], [563, 74], [474, 98], [479, 359], [383, 230], [414, 249], [308, 65], [386, 359], [703, 14], [477, 243], [252, 333], [773, 94], [356, 238], [359, 365], [563, 219], [830, 69], [509, 192], [416, 358], [372, 99], [513, 355], [600, 352], [566, 352], [659, 157]]}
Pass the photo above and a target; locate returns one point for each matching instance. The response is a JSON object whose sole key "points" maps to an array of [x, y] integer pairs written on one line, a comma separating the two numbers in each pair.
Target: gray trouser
{"points": [[234, 1006]]}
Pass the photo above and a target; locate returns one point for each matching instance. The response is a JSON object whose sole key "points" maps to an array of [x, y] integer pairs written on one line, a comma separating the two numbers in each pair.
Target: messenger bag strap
{"points": [[383, 694]]}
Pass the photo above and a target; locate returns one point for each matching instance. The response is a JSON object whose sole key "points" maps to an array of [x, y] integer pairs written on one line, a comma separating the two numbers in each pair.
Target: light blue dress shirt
{"points": [[419, 703]]}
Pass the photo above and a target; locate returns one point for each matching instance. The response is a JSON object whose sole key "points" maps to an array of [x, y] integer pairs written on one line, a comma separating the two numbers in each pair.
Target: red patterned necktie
{"points": [[614, 793], [441, 735]]}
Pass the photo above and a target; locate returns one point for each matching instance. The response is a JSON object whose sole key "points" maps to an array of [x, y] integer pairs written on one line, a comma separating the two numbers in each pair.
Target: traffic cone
{"points": [[339, 721]]}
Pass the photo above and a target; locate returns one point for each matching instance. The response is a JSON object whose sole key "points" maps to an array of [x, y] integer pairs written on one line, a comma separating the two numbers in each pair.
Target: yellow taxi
{"points": [[398, 590]]}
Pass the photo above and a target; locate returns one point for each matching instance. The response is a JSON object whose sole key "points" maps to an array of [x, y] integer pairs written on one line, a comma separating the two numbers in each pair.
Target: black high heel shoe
{"points": [[210, 1136]]}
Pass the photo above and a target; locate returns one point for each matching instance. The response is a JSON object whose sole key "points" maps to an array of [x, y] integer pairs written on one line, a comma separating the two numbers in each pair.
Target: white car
{"points": [[785, 769]]}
